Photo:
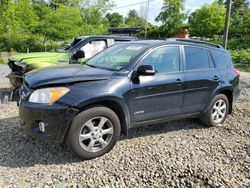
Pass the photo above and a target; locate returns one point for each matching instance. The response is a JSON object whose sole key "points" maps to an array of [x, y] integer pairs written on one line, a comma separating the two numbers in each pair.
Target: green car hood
{"points": [[42, 59]]}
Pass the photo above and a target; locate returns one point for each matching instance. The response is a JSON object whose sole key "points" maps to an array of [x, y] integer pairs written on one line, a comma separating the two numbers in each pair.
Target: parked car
{"points": [[69, 54], [141, 82]]}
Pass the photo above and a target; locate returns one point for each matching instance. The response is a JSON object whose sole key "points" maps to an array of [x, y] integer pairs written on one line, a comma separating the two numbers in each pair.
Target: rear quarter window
{"points": [[220, 58], [196, 58]]}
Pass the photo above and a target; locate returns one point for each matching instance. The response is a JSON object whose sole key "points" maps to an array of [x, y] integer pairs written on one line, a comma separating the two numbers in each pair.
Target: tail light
{"points": [[236, 71]]}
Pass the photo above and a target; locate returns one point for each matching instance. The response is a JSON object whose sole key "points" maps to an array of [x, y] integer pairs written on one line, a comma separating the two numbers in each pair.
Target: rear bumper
{"points": [[57, 119], [236, 95]]}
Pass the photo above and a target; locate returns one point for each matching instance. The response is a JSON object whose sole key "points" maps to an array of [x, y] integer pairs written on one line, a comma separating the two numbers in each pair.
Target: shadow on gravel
{"points": [[18, 151]]}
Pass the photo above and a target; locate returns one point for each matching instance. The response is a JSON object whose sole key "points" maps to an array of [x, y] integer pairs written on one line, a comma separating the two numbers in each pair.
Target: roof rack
{"points": [[195, 41]]}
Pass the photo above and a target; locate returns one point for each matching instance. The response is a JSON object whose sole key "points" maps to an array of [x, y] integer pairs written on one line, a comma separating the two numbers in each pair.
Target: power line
{"points": [[125, 6]]}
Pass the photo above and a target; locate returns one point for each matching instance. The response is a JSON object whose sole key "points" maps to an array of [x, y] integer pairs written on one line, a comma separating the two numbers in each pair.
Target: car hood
{"points": [[22, 57], [65, 75], [40, 59]]}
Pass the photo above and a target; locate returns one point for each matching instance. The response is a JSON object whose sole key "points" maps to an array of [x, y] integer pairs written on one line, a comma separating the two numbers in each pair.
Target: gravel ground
{"points": [[4, 71], [181, 153]]}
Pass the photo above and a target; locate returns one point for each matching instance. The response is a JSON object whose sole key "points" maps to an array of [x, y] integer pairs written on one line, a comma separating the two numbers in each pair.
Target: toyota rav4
{"points": [[142, 82]]}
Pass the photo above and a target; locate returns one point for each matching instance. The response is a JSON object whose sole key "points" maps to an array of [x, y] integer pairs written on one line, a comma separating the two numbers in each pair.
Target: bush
{"points": [[239, 43], [241, 59]]}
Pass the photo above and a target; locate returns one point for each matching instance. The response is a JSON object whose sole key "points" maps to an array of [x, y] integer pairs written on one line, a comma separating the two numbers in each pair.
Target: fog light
{"points": [[42, 126]]}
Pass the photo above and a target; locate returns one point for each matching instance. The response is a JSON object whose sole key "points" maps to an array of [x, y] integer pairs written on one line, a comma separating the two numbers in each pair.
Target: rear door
{"points": [[201, 79]]}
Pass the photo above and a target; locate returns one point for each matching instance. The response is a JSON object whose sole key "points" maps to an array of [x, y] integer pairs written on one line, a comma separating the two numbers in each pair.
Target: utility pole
{"points": [[227, 23], [146, 27]]}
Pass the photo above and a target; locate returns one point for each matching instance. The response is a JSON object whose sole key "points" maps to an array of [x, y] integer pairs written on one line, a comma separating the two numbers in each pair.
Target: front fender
{"points": [[106, 100]]}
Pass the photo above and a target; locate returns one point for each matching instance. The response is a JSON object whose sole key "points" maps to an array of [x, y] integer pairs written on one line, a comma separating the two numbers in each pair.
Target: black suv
{"points": [[142, 82]]}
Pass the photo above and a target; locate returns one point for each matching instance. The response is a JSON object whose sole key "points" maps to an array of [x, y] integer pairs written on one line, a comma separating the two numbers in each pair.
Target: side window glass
{"points": [[164, 59], [220, 58], [196, 58], [94, 47]]}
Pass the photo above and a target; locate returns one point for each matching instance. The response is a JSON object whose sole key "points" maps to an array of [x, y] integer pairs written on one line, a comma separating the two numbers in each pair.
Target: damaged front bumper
{"points": [[16, 79], [16, 76]]}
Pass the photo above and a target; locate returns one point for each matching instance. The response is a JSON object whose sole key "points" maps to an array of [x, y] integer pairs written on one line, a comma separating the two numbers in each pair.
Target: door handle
{"points": [[216, 78], [178, 80]]}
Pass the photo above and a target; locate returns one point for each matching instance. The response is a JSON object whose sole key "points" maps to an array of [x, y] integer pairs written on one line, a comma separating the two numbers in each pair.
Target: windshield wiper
{"points": [[91, 65], [100, 67]]}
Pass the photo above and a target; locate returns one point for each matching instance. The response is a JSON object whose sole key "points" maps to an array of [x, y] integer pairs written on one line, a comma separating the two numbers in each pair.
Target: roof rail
{"points": [[195, 41]]}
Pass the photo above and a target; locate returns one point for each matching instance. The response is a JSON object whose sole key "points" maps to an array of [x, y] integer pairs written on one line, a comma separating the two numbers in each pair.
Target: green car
{"points": [[81, 49]]}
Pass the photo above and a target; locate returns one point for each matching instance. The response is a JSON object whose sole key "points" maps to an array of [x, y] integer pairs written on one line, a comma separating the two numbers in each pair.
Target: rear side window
{"points": [[196, 58], [220, 58]]}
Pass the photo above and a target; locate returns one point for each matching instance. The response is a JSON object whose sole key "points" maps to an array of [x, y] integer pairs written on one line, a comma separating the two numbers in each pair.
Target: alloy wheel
{"points": [[96, 134], [219, 111]]}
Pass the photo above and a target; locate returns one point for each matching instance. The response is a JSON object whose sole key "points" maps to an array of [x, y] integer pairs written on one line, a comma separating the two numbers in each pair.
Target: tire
{"points": [[213, 117], [86, 124]]}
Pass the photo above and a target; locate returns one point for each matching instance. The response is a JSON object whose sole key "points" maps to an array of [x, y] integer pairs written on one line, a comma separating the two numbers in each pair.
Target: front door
{"points": [[159, 96]]}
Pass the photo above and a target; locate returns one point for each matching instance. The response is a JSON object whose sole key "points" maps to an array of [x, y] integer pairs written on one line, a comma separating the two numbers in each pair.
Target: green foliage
{"points": [[133, 19], [239, 17], [40, 24], [115, 19], [207, 21], [58, 25], [93, 22], [241, 59], [172, 17], [239, 43]]}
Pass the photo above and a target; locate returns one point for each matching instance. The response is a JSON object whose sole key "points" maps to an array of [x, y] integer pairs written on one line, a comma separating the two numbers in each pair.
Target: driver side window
{"points": [[94, 47], [164, 59]]}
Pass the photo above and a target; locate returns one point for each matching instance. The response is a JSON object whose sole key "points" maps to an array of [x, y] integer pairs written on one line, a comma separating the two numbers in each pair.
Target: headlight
{"points": [[48, 95]]}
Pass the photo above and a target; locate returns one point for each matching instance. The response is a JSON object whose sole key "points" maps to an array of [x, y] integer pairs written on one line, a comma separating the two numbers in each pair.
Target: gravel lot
{"points": [[176, 154], [4, 71]]}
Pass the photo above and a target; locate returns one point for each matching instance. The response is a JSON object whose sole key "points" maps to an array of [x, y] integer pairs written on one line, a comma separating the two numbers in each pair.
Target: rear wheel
{"points": [[93, 132], [217, 111]]}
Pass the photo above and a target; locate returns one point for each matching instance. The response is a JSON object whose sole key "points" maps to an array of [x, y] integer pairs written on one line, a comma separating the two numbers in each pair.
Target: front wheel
{"points": [[93, 132], [217, 111]]}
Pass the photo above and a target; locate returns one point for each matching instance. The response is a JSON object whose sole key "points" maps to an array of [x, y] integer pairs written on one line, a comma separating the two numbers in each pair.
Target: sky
{"points": [[154, 7]]}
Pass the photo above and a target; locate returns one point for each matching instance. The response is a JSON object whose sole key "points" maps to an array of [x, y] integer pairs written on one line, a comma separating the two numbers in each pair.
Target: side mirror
{"points": [[79, 54], [146, 70]]}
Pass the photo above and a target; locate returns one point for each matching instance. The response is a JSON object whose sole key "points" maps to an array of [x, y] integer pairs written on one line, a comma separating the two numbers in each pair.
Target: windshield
{"points": [[116, 57], [68, 47]]}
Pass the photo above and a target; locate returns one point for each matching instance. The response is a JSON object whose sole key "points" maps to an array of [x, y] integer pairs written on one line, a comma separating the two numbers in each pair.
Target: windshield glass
{"points": [[68, 47], [116, 57]]}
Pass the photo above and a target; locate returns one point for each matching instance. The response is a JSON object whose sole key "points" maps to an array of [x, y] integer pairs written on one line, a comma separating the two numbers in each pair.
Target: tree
{"points": [[207, 21], [60, 26], [93, 22], [33, 23], [115, 19], [133, 19], [172, 17], [247, 23], [239, 16]]}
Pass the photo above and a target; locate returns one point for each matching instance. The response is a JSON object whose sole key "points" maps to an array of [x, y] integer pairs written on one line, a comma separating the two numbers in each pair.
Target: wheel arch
{"points": [[228, 92], [114, 103]]}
